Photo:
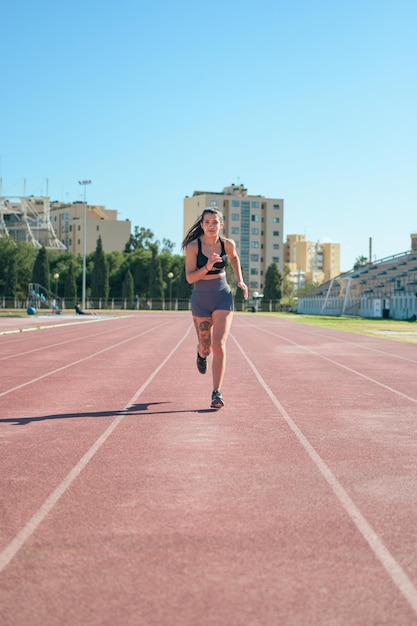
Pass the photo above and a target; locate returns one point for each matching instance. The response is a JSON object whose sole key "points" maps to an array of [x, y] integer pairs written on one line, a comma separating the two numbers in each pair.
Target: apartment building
{"points": [[311, 261], [60, 226], [68, 223], [254, 222]]}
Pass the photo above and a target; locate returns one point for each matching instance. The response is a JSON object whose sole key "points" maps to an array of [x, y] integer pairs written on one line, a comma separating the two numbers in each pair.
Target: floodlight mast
{"points": [[84, 183]]}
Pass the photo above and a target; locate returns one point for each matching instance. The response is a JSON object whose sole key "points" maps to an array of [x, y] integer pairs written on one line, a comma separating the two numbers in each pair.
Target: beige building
{"points": [[311, 261], [255, 223], [68, 223], [60, 226]]}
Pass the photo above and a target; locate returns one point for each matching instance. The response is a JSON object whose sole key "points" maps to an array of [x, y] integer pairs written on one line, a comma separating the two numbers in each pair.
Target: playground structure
{"points": [[41, 297], [28, 219]]}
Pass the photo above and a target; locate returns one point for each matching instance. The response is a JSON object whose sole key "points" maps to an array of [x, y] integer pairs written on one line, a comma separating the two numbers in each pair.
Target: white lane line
{"points": [[23, 535], [345, 367], [86, 358], [17, 355], [315, 332], [24, 329], [394, 569]]}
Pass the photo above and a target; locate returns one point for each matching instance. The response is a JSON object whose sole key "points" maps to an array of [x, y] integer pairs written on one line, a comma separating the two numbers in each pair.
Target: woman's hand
{"points": [[213, 258], [244, 288]]}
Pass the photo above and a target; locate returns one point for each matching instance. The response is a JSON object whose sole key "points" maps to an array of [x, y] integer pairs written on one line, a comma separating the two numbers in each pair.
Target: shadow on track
{"points": [[135, 409]]}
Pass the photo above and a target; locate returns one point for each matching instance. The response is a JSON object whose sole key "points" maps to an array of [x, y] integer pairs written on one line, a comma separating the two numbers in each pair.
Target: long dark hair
{"points": [[196, 230]]}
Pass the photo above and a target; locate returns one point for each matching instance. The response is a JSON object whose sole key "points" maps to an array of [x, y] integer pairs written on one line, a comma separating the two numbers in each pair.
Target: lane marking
{"points": [[16, 355], [346, 367], [315, 332], [23, 535], [25, 329], [394, 569], [86, 358]]}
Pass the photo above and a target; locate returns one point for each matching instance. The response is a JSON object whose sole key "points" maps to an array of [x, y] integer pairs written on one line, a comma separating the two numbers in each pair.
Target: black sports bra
{"points": [[202, 259]]}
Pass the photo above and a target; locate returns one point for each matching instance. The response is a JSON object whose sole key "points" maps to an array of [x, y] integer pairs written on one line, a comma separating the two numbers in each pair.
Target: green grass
{"points": [[388, 329], [14, 314]]}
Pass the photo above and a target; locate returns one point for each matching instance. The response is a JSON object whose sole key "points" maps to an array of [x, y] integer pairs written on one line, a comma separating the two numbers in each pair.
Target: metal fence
{"points": [[123, 304]]}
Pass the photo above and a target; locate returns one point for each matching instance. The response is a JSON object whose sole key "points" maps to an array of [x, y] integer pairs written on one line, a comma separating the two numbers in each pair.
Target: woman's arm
{"points": [[192, 272], [230, 248]]}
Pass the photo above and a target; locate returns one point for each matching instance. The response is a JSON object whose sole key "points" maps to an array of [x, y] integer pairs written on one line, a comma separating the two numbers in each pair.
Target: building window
{"points": [[275, 259], [79, 242], [254, 231], [276, 233], [235, 230], [276, 246], [235, 217], [97, 227], [254, 258], [244, 235], [235, 203], [255, 205], [254, 284], [255, 218], [254, 271], [213, 203], [254, 244], [276, 206], [275, 220]]}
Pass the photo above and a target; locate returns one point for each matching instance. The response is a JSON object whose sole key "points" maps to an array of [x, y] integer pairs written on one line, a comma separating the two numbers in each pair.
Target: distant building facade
{"points": [[60, 226], [311, 261], [28, 219], [255, 223], [68, 222]]}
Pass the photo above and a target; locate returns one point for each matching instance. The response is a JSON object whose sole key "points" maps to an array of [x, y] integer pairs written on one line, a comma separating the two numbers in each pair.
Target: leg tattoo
{"points": [[203, 328]]}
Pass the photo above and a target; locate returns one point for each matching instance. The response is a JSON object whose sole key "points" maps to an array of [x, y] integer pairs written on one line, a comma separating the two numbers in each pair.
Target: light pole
{"points": [[84, 183], [56, 277], [170, 277]]}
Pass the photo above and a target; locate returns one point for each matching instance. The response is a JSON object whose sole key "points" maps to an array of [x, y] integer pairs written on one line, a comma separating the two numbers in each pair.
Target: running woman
{"points": [[211, 300]]}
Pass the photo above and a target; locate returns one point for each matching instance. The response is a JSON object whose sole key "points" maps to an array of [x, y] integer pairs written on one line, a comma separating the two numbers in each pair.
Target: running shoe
{"points": [[201, 364], [217, 400]]}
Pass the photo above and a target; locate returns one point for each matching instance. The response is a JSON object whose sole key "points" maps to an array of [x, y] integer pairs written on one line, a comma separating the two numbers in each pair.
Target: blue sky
{"points": [[311, 101]]}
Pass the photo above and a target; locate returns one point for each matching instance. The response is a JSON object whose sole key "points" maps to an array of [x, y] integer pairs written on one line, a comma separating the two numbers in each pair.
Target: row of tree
{"points": [[145, 269]]}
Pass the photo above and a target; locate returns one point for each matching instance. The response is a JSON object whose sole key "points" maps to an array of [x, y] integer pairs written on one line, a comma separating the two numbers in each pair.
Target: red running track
{"points": [[126, 501]]}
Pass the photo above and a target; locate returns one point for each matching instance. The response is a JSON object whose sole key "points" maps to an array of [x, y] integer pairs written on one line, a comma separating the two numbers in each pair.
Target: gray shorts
{"points": [[211, 295]]}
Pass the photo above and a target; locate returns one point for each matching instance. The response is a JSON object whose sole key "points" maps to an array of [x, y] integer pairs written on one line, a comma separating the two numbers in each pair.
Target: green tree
{"points": [[25, 258], [156, 283], [360, 261], [273, 282], [142, 238], [307, 288], [100, 274], [7, 248], [167, 246], [139, 263], [41, 272], [70, 284], [287, 284], [11, 287], [184, 289], [117, 263], [128, 289]]}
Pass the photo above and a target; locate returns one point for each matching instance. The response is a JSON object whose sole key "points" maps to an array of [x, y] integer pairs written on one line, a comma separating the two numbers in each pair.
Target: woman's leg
{"points": [[203, 328], [222, 321]]}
